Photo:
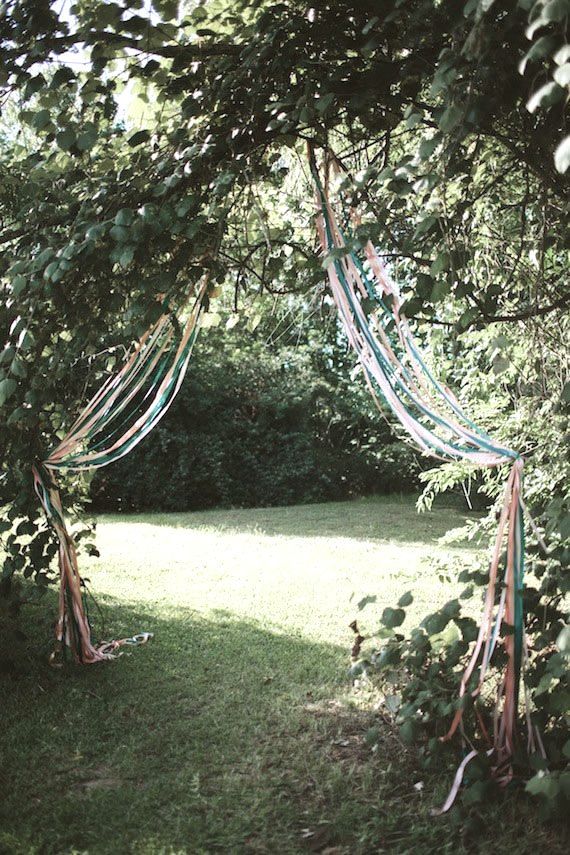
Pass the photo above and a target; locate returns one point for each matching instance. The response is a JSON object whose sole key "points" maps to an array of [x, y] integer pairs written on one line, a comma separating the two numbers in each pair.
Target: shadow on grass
{"points": [[218, 736], [378, 518], [205, 739]]}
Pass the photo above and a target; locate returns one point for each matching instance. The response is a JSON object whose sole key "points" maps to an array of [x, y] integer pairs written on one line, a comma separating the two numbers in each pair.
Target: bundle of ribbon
{"points": [[121, 413], [369, 309]]}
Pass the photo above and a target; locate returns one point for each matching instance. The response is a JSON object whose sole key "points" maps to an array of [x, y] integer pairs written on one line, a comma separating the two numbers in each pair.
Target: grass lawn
{"points": [[236, 729]]}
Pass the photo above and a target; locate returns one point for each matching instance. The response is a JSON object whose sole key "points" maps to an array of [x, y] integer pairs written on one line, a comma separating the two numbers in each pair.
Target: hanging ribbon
{"points": [[120, 414], [396, 372]]}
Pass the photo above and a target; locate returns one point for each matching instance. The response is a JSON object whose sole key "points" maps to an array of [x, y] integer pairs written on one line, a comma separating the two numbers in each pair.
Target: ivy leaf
{"points": [[366, 601], [406, 599]]}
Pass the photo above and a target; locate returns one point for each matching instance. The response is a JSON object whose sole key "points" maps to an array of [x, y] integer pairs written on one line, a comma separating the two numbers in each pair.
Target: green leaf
{"points": [[468, 316], [549, 13], [184, 206], [34, 85], [546, 96], [119, 234], [476, 793], [544, 784], [539, 49], [564, 527], [406, 599], [468, 628], [51, 270], [440, 290], [425, 225], [18, 368], [87, 138], [409, 731], [138, 138], [322, 103], [368, 305], [393, 703], [41, 119], [66, 139], [428, 146], [62, 75], [7, 389], [451, 118], [441, 263], [19, 283], [124, 217], [563, 641], [435, 623], [393, 617], [562, 74], [126, 256], [562, 55], [361, 604], [95, 232], [562, 155]]}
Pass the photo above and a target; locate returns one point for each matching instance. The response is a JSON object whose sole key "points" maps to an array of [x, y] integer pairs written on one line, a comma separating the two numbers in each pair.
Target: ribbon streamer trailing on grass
{"points": [[370, 312], [123, 411]]}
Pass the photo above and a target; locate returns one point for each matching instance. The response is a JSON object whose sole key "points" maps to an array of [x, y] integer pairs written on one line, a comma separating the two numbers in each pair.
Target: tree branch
{"points": [[526, 314]]}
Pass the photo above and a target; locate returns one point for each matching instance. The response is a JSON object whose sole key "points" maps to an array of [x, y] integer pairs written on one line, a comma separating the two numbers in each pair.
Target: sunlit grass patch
{"points": [[236, 729]]}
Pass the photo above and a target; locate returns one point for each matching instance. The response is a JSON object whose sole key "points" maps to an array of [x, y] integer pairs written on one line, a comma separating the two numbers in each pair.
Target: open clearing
{"points": [[236, 729]]}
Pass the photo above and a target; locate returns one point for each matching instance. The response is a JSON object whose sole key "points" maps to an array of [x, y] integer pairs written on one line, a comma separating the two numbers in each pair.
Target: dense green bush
{"points": [[262, 424]]}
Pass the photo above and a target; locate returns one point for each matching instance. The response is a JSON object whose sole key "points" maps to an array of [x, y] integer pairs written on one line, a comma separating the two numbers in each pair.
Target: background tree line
{"points": [[269, 414]]}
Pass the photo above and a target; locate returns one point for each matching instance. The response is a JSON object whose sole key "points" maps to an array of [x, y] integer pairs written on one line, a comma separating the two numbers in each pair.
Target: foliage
{"points": [[139, 149], [266, 417], [420, 671], [175, 147]]}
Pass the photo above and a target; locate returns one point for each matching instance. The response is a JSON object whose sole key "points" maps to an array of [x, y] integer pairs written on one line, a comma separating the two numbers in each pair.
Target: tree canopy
{"points": [[141, 146]]}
